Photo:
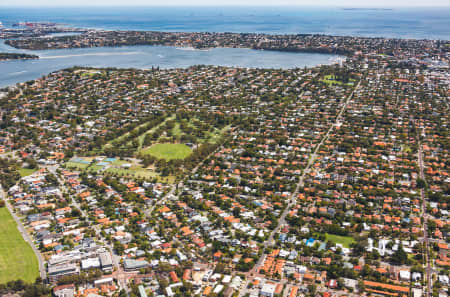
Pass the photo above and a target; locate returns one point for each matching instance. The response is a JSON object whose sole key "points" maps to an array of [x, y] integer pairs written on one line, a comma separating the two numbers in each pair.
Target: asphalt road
{"points": [[425, 226]]}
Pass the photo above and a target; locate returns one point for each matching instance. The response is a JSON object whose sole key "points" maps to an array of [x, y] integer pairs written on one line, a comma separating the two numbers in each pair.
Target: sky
{"points": [[333, 3]]}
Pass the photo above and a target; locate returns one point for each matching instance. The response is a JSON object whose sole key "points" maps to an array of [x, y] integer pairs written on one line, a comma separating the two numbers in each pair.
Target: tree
{"points": [[421, 183], [51, 179], [237, 212], [217, 246], [163, 283], [361, 287], [118, 247], [400, 256], [220, 268], [312, 288]]}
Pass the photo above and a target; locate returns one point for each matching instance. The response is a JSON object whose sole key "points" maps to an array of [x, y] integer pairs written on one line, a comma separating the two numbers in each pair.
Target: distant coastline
{"points": [[188, 41], [17, 56], [367, 8], [373, 21]]}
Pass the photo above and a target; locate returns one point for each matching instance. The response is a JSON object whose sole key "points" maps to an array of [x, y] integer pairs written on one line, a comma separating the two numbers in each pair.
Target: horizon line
{"points": [[228, 5]]}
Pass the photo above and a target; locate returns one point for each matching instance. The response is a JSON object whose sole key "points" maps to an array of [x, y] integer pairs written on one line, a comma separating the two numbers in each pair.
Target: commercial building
{"points": [[106, 261], [57, 271]]}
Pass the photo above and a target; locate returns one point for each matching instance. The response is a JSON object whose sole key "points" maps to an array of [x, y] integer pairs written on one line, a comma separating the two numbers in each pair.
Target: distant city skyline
{"points": [[336, 3]]}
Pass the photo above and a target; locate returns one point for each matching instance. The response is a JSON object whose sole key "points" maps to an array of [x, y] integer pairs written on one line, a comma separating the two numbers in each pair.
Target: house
{"points": [[173, 277], [64, 290], [217, 255], [416, 292], [228, 292], [218, 289], [142, 292], [444, 279], [405, 275], [268, 290]]}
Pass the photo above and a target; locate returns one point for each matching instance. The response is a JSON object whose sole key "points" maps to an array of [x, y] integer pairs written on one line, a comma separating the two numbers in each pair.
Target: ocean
{"points": [[420, 23]]}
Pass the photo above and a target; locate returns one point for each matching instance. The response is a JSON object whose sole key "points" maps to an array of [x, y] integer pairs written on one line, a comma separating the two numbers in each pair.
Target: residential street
{"points": [[428, 268]]}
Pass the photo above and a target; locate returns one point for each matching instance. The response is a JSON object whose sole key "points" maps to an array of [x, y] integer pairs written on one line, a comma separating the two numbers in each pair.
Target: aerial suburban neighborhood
{"points": [[226, 181]]}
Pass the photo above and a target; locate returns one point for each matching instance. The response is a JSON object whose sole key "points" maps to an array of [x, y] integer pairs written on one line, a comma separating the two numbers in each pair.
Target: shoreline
{"points": [[165, 62], [11, 56], [341, 47]]}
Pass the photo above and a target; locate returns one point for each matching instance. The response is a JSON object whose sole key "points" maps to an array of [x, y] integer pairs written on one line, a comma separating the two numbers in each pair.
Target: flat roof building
{"points": [[106, 261], [268, 290], [57, 271], [131, 264], [90, 263]]}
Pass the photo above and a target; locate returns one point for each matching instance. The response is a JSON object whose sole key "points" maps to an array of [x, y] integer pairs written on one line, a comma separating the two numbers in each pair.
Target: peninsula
{"points": [[16, 56], [343, 45]]}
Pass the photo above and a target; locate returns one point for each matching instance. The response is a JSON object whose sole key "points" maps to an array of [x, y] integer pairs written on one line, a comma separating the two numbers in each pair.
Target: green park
{"points": [[168, 151], [17, 259]]}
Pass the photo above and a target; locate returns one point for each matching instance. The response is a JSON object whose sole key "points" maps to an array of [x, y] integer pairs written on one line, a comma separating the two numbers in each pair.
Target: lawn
{"points": [[176, 131], [168, 151], [17, 259], [139, 172], [94, 168], [25, 171], [118, 162], [331, 80], [133, 171], [75, 165], [214, 136], [406, 149], [346, 241], [142, 136]]}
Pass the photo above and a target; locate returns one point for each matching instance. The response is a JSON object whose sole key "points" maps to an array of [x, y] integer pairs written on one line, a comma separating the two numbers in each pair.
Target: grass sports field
{"points": [[17, 259], [168, 151], [344, 240]]}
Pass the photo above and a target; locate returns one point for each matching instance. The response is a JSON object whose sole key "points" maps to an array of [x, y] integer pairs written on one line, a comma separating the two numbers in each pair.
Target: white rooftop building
{"points": [[268, 290], [90, 263]]}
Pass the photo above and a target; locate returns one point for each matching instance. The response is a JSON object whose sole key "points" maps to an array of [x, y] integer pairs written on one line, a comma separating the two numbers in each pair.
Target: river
{"points": [[144, 57]]}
